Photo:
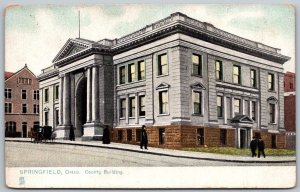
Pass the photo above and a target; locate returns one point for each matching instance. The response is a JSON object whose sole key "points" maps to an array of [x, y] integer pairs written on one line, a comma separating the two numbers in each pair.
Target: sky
{"points": [[35, 34]]}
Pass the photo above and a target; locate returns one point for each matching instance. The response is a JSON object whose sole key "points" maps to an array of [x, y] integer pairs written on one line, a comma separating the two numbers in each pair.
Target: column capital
{"points": [[92, 66], [61, 75]]}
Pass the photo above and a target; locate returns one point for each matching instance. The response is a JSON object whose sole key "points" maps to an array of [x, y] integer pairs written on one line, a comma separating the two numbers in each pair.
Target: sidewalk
{"points": [[170, 152]]}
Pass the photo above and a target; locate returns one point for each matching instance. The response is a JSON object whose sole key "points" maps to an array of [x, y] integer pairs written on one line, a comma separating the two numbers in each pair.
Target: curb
{"points": [[163, 154]]}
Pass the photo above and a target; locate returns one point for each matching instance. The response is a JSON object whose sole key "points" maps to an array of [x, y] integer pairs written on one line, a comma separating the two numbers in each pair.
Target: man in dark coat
{"points": [[261, 148], [253, 146], [144, 139]]}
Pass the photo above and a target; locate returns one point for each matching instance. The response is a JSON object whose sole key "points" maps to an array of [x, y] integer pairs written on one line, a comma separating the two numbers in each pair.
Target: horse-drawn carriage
{"points": [[41, 133]]}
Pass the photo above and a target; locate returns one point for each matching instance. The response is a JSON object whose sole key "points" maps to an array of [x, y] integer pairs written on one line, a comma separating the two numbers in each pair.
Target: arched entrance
{"points": [[81, 106]]}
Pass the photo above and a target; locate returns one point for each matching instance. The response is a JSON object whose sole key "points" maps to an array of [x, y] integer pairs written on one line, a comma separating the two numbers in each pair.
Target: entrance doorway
{"points": [[24, 129], [81, 106], [273, 141], [243, 138]]}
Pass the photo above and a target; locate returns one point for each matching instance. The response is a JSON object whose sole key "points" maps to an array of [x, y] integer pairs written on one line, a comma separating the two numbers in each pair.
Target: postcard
{"points": [[150, 96]]}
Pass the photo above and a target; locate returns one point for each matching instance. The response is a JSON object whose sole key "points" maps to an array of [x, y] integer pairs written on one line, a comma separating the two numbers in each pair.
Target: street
{"points": [[58, 155]]}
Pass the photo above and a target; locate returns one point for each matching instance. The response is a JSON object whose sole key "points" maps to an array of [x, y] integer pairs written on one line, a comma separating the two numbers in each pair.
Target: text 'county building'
{"points": [[189, 82]]}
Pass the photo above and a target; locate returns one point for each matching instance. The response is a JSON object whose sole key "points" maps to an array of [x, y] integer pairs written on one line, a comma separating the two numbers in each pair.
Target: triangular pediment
{"points": [[163, 86], [272, 100], [72, 47], [242, 119], [198, 86]]}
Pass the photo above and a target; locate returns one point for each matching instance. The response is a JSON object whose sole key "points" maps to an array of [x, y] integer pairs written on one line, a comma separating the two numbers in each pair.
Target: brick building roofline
{"points": [[24, 68]]}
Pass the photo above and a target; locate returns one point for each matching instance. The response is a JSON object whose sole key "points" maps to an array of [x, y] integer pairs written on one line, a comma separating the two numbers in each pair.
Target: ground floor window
{"points": [[10, 129], [273, 141], [138, 135], [129, 134], [223, 136], [56, 117], [162, 136], [24, 129], [120, 135], [200, 136], [46, 118]]}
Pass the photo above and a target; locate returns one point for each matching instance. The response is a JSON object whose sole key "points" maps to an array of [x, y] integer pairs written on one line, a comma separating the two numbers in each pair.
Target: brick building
{"points": [[21, 102], [189, 82], [290, 111]]}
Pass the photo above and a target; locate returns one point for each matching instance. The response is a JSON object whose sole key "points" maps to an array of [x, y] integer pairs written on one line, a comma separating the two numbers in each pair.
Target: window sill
{"points": [[142, 116], [158, 76], [122, 118], [271, 91], [195, 75], [163, 115], [220, 118], [198, 115], [272, 123], [131, 117], [132, 82]]}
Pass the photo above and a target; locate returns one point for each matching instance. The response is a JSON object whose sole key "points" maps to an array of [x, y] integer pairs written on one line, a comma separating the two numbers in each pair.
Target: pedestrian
{"points": [[72, 135], [144, 139], [253, 146], [106, 139], [261, 148]]}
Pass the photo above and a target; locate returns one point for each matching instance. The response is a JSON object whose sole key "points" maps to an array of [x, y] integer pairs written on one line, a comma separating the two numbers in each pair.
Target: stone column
{"points": [[238, 138], [250, 110], [232, 107], [243, 106], [95, 94], [61, 100], [88, 97], [66, 100], [225, 109], [127, 109]]}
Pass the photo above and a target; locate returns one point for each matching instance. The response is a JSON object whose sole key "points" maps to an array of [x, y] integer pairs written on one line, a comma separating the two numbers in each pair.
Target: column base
{"points": [[62, 132], [92, 131]]}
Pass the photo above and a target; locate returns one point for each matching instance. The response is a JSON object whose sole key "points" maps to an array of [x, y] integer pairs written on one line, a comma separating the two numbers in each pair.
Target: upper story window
{"points": [[122, 75], [272, 112], [122, 108], [8, 107], [142, 106], [56, 92], [141, 70], [237, 106], [36, 95], [253, 112], [46, 96], [236, 74], [36, 108], [131, 72], [163, 64], [25, 81], [24, 108], [131, 106], [163, 102], [271, 82], [197, 102], [220, 106], [253, 78], [7, 93], [219, 70], [24, 94], [197, 64]]}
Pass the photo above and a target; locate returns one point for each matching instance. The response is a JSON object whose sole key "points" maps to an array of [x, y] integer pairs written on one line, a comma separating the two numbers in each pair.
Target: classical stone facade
{"points": [[189, 82], [21, 102]]}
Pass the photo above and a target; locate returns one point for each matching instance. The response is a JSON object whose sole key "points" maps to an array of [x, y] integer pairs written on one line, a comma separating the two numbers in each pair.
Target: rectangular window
{"points": [[46, 118], [223, 136], [220, 106], [237, 106], [24, 108], [56, 92], [36, 95], [141, 70], [132, 107], [122, 75], [142, 107], [253, 78], [56, 117], [24, 94], [162, 136], [131, 72], [24, 129], [197, 98], [197, 64], [271, 82], [253, 110], [272, 112], [200, 136], [228, 109], [36, 108], [163, 102], [219, 70], [122, 108], [120, 135], [46, 96], [138, 133], [7, 93], [129, 135], [8, 108], [163, 64], [236, 74]]}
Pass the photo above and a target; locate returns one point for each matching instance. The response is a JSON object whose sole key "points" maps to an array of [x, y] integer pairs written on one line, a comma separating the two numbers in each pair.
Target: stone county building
{"points": [[21, 92], [189, 82], [290, 111]]}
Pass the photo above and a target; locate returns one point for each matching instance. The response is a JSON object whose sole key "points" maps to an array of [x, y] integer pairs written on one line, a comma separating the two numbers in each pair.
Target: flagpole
{"points": [[79, 23]]}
